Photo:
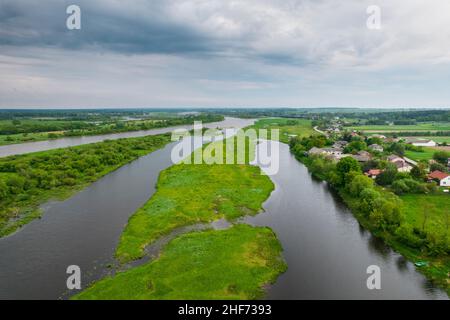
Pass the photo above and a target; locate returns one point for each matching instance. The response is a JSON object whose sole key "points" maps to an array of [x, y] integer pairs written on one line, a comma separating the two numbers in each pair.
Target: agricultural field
{"points": [[430, 212], [287, 127], [425, 155], [437, 139], [433, 126]]}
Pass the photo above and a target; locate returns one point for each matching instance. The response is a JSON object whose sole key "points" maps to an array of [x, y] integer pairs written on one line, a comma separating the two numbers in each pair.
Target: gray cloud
{"points": [[218, 52]]}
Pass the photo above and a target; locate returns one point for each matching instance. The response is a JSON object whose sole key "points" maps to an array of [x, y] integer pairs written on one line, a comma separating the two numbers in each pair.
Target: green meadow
{"points": [[434, 126], [229, 264], [430, 212], [188, 194], [234, 263], [288, 127], [426, 154]]}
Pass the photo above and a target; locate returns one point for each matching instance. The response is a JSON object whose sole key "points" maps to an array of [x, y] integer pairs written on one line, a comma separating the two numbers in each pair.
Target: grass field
{"points": [[29, 137], [434, 209], [229, 264], [426, 155], [287, 127], [435, 138], [194, 193], [436, 126]]}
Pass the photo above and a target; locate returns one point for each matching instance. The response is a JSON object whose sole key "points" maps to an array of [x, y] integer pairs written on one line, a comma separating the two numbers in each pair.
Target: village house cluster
{"points": [[375, 151]]}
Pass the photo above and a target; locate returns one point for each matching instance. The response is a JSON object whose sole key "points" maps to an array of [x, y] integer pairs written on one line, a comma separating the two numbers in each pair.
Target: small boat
{"points": [[421, 264]]}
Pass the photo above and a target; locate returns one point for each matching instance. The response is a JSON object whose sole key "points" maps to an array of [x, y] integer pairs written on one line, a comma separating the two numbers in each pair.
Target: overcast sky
{"points": [[219, 53]]}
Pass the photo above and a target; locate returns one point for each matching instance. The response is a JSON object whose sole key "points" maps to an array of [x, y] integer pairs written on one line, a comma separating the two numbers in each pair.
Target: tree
{"points": [[344, 166], [355, 146], [386, 177], [437, 166], [374, 140], [398, 148], [358, 184], [441, 157], [418, 172]]}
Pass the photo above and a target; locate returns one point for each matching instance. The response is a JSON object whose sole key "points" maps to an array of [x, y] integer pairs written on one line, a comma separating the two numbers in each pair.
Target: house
{"points": [[376, 147], [373, 173], [380, 136], [421, 142], [442, 177], [410, 161], [401, 164], [340, 144], [362, 156], [315, 151], [333, 153], [392, 140]]}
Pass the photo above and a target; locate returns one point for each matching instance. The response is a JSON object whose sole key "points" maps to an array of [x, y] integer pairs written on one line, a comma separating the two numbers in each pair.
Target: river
{"points": [[326, 250], [30, 147]]}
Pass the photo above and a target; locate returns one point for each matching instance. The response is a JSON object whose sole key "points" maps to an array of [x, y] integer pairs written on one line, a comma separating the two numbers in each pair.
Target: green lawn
{"points": [[194, 193], [287, 127], [435, 209], [436, 126], [437, 139], [229, 264], [426, 155]]}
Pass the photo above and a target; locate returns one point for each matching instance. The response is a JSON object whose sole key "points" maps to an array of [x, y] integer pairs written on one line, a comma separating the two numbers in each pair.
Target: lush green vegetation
{"points": [[194, 193], [433, 126], [17, 126], [424, 155], [28, 130], [26, 181], [288, 127], [428, 212], [438, 139], [384, 213], [229, 264]]}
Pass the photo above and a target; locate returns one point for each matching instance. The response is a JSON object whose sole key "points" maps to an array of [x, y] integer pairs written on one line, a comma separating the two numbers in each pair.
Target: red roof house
{"points": [[438, 175]]}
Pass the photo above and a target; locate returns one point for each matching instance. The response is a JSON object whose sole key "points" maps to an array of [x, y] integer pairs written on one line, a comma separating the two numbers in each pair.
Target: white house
{"points": [[445, 182], [442, 177], [421, 142]]}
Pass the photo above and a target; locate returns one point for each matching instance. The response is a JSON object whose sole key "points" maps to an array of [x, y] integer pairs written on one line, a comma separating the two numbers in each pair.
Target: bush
{"points": [[441, 157], [358, 184]]}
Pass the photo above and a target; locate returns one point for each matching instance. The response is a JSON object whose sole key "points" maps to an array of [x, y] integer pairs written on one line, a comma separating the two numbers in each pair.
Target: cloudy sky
{"points": [[219, 53]]}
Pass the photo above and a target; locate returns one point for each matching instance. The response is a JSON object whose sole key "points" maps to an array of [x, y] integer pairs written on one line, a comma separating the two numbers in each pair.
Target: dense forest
{"points": [[73, 127], [28, 180]]}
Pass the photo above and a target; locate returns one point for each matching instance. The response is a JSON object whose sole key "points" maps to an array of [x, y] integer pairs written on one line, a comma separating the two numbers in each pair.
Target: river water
{"points": [[326, 250], [29, 147]]}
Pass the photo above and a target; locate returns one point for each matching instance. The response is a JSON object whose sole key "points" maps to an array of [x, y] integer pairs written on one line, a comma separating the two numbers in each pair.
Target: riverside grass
{"points": [[228, 264], [188, 194]]}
